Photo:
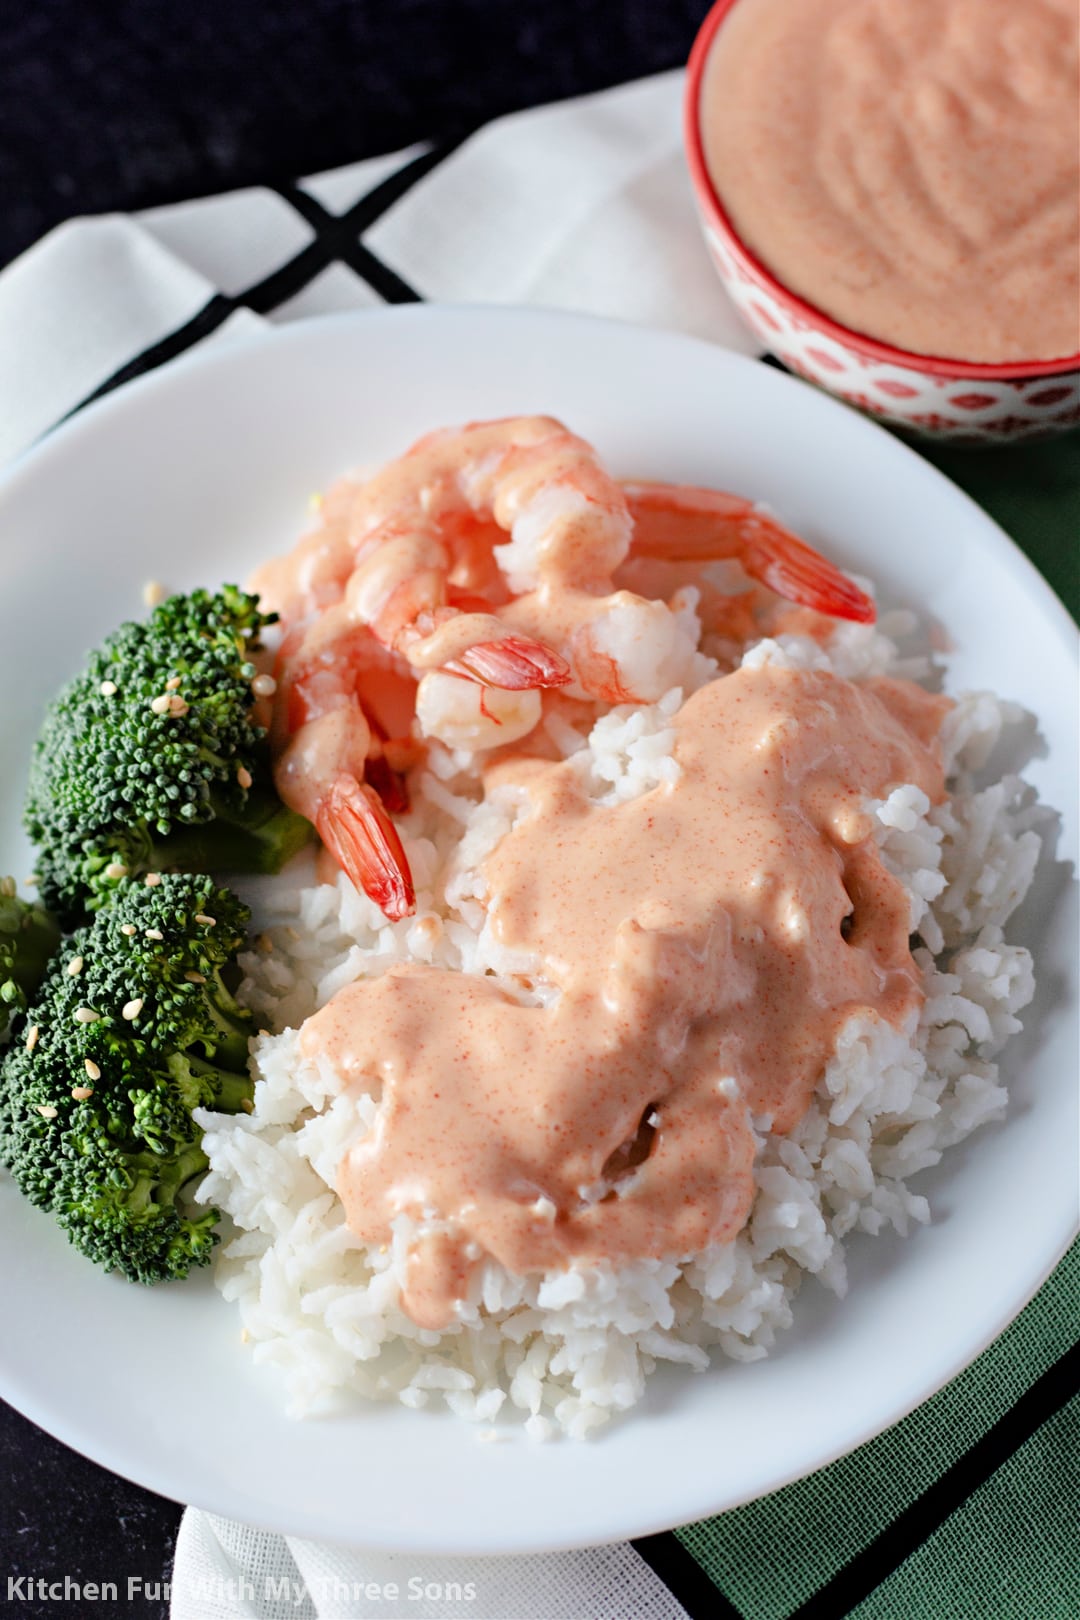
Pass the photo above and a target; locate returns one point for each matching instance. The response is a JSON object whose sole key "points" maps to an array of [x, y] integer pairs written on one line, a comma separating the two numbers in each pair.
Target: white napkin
{"points": [[228, 1571], [585, 205]]}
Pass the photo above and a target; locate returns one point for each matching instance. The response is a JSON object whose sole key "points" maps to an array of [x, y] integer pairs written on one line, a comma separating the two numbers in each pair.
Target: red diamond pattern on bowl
{"points": [[894, 389], [1001, 409], [766, 319], [1049, 396], [829, 361]]}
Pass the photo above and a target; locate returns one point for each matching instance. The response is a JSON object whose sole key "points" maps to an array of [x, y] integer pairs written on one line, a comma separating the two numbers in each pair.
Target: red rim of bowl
{"points": [[845, 335]]}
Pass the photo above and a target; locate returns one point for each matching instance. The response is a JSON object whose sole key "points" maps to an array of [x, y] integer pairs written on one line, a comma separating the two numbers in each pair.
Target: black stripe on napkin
{"points": [[381, 198], [376, 202], [208, 319], [336, 237], [918, 1522], [684, 1578]]}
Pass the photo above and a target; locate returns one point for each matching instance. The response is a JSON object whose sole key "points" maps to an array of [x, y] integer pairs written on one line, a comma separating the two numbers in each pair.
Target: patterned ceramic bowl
{"points": [[939, 399]]}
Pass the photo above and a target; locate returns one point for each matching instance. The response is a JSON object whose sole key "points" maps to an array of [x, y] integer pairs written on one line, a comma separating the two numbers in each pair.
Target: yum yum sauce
{"points": [[910, 167], [708, 940]]}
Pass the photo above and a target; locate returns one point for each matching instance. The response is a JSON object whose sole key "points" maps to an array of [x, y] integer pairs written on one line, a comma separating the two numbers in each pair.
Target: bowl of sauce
{"points": [[890, 193]]}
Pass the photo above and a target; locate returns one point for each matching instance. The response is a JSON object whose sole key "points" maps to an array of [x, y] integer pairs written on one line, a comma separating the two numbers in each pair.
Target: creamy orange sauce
{"points": [[707, 940], [910, 167]]}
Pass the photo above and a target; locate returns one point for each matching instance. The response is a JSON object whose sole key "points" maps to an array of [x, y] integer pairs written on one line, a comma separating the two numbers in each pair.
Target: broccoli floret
{"points": [[28, 937], [150, 761], [133, 1027]]}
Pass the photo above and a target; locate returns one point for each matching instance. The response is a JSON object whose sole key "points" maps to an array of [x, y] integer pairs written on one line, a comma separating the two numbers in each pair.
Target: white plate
{"points": [[194, 475]]}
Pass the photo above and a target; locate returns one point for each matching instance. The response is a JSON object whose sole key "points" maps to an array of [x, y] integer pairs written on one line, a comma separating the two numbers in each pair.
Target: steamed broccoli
{"points": [[28, 937], [149, 760], [133, 1027]]}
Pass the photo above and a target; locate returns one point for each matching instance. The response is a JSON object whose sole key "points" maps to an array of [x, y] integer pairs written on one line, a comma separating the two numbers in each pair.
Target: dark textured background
{"points": [[121, 104], [126, 103]]}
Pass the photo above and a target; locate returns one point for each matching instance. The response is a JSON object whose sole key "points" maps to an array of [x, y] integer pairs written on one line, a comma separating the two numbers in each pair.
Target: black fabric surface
{"points": [[122, 104], [125, 103], [62, 1516]]}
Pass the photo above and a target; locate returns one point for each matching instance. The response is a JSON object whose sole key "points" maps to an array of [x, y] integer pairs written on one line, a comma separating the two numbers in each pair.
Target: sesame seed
{"points": [[264, 944], [107, 688], [245, 1336], [243, 776], [153, 592], [154, 933], [247, 1105], [92, 1069], [171, 685], [152, 879], [264, 686], [132, 1009], [30, 880], [160, 705], [85, 1015], [195, 978], [80, 1093], [315, 501], [207, 922], [178, 707], [46, 1110], [116, 870], [7, 887], [128, 928], [75, 967], [32, 1037]]}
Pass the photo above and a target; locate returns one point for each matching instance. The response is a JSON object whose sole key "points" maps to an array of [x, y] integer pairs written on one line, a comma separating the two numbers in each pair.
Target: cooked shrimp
{"points": [[530, 478], [335, 764], [400, 588], [322, 739], [624, 647], [684, 524], [463, 714], [412, 560], [421, 531]]}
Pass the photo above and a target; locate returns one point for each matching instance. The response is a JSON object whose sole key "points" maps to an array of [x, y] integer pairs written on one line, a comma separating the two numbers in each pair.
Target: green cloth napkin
{"points": [[967, 1509], [1033, 491]]}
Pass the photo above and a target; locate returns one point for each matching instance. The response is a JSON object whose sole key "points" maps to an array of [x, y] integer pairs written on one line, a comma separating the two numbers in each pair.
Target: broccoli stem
{"points": [[232, 1087], [28, 939], [234, 1090], [38, 938], [192, 1162], [159, 1184], [233, 1029], [261, 838]]}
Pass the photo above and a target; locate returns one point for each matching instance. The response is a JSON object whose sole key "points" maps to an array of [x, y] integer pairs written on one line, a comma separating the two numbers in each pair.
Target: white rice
{"points": [[567, 1350]]}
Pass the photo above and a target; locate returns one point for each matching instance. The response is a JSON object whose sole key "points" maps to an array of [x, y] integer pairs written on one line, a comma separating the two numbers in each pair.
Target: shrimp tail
{"points": [[515, 663], [800, 574], [682, 524], [354, 826]]}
